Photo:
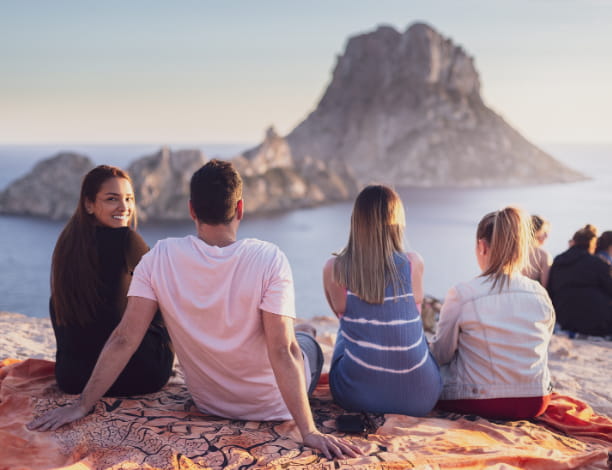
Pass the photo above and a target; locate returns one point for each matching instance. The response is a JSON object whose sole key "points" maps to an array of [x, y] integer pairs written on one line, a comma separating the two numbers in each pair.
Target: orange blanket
{"points": [[164, 430]]}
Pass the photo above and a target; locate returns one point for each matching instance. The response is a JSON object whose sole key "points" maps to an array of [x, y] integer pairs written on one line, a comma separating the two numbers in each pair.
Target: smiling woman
{"points": [[91, 270], [114, 204]]}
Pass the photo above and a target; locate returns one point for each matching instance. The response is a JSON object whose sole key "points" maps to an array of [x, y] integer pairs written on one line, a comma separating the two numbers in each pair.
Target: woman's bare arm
{"points": [[334, 292], [417, 266]]}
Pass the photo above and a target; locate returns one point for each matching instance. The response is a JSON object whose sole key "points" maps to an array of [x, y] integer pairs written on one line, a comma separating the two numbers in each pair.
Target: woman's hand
{"points": [[332, 446], [57, 417]]}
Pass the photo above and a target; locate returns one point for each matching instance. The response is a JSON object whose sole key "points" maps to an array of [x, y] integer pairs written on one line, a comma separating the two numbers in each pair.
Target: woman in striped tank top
{"points": [[381, 362]]}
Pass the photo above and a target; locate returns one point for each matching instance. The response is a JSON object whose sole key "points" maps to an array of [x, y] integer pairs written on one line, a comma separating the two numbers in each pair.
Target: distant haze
{"points": [[202, 71]]}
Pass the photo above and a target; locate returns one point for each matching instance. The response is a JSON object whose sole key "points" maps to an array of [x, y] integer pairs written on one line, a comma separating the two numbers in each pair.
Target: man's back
{"points": [[211, 298]]}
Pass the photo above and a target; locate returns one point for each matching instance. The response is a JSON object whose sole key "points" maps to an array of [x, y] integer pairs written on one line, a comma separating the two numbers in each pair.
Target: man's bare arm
{"points": [[117, 351], [286, 359]]}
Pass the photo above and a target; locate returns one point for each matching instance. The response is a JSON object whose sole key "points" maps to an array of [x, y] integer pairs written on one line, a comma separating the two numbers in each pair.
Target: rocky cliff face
{"points": [[273, 182], [51, 189], [161, 183], [406, 109]]}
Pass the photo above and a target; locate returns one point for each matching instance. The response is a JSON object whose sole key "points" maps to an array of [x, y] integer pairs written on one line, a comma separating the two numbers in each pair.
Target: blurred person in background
{"points": [[540, 260], [580, 287]]}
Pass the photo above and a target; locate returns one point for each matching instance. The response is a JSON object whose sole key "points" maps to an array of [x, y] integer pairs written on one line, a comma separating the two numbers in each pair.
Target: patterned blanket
{"points": [[166, 431]]}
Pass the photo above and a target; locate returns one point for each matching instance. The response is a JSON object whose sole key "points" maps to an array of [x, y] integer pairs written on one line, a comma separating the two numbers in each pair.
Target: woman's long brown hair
{"points": [[75, 280], [585, 236], [366, 264]]}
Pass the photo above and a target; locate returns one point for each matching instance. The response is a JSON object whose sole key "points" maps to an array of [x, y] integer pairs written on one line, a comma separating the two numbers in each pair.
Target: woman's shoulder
{"points": [[541, 255], [329, 263], [532, 291], [133, 237], [135, 247], [328, 269], [523, 282], [472, 288], [414, 258]]}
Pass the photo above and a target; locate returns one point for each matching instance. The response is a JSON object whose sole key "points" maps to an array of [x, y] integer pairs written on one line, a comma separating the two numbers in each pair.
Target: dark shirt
{"points": [[580, 287], [78, 347]]}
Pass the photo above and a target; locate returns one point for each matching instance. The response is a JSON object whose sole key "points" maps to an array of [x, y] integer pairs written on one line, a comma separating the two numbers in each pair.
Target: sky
{"points": [[195, 71]]}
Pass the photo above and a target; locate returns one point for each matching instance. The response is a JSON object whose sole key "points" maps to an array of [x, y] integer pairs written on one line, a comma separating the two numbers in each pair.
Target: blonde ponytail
{"points": [[508, 234]]}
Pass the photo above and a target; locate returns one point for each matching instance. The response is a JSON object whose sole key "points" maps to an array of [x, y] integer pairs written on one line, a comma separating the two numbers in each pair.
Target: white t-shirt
{"points": [[211, 300]]}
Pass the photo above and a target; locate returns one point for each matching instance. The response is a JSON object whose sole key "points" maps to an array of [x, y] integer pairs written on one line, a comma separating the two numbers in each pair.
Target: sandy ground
{"points": [[580, 368]]}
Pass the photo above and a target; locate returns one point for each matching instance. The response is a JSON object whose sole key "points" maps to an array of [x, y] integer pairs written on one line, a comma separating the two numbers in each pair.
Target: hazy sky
{"points": [[222, 71]]}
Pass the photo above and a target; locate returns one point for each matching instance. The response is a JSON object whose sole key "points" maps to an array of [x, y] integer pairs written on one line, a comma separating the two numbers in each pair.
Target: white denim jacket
{"points": [[494, 344]]}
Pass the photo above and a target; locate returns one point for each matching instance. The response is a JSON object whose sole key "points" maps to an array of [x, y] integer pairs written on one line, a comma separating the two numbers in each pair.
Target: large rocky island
{"points": [[406, 109], [402, 109]]}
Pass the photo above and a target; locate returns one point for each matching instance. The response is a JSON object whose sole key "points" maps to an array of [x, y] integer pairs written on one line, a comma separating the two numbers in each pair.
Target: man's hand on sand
{"points": [[57, 417], [332, 446]]}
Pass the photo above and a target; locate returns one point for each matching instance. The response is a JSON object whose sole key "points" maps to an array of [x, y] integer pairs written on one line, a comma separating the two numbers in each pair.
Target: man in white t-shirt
{"points": [[229, 307]]}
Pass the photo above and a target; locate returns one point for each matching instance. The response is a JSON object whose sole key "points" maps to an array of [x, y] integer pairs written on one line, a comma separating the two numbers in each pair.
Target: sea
{"points": [[441, 223]]}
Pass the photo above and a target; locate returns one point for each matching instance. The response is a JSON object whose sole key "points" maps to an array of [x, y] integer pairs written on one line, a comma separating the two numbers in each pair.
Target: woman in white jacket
{"points": [[494, 331]]}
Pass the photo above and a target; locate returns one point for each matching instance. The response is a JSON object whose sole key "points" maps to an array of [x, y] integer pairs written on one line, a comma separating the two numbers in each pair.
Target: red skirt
{"points": [[498, 408]]}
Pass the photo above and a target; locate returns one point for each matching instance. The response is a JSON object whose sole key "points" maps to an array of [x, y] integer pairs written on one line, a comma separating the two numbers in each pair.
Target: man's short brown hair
{"points": [[215, 190]]}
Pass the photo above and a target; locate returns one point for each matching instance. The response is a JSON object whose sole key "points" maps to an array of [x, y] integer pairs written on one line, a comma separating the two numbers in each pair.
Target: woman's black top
{"points": [[580, 287], [78, 347]]}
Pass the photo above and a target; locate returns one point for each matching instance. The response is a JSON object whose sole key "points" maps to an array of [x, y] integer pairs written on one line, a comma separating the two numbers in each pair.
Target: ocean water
{"points": [[441, 224]]}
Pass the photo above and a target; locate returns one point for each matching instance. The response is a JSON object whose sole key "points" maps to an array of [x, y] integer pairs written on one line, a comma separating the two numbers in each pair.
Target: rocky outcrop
{"points": [[273, 152], [161, 183], [51, 189], [272, 181], [406, 109]]}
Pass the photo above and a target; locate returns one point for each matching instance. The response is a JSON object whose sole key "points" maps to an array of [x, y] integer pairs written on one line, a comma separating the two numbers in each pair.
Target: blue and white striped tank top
{"points": [[381, 361]]}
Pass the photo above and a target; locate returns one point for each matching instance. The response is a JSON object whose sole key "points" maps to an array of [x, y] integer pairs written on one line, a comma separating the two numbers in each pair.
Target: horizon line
{"points": [[236, 143]]}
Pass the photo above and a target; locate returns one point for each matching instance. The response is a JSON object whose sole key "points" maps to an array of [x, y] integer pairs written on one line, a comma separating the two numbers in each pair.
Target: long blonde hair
{"points": [[366, 264], [508, 234]]}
